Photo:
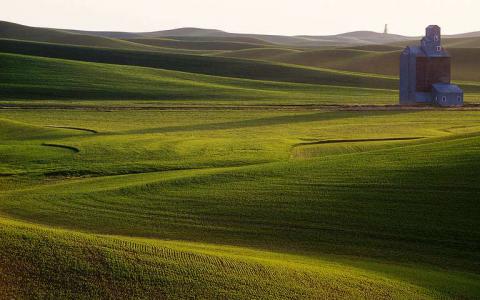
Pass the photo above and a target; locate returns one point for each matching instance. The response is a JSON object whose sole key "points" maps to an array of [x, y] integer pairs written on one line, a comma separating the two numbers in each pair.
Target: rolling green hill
{"points": [[195, 45], [380, 48], [472, 42], [346, 59], [258, 53], [218, 66], [73, 80], [114, 267], [21, 32], [241, 204], [365, 59], [376, 59], [238, 39], [459, 41], [78, 81]]}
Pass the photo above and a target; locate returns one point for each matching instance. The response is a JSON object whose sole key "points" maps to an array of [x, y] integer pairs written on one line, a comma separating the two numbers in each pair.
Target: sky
{"points": [[285, 17]]}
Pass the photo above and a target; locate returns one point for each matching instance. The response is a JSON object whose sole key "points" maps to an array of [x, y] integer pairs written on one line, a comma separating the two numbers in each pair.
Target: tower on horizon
{"points": [[385, 31]]}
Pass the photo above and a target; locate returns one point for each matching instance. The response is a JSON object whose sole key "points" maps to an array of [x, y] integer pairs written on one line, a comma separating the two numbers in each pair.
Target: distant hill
{"points": [[261, 54], [465, 42], [188, 31], [21, 75], [364, 59], [376, 48], [360, 51], [217, 66], [447, 41], [464, 35], [359, 38], [116, 39], [352, 38], [20, 32], [107, 34], [196, 45], [240, 39]]}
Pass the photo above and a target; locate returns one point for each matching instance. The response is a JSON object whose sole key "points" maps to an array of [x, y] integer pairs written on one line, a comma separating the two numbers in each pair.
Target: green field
{"points": [[220, 169], [93, 81], [173, 189]]}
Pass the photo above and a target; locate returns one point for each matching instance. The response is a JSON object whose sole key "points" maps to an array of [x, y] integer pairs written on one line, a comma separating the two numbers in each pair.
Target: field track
{"points": [[73, 128], [50, 106], [70, 148]]}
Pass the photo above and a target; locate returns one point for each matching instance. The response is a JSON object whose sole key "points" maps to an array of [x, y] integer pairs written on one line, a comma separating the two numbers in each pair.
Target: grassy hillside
{"points": [[258, 53], [195, 45], [20, 32], [218, 66], [78, 81], [346, 59], [365, 59], [239, 163], [459, 41], [472, 42], [35, 78], [132, 268], [465, 64], [238, 39], [357, 38], [160, 195], [380, 48]]}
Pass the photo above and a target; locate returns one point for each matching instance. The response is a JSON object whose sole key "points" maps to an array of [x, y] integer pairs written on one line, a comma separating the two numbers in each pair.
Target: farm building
{"points": [[425, 73]]}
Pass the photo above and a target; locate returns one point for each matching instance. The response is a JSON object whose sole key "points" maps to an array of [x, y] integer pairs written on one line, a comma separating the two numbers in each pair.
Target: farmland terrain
{"points": [[200, 164]]}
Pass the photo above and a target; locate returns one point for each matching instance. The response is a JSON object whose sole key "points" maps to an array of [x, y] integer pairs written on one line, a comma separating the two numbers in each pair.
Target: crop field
{"points": [[187, 167], [206, 202]]}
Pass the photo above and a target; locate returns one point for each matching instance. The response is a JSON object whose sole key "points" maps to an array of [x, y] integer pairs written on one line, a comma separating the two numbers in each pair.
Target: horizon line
{"points": [[225, 31]]}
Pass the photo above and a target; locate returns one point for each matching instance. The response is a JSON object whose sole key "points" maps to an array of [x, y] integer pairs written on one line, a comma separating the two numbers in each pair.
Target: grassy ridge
{"points": [[72, 80], [217, 66], [449, 42], [206, 38], [65, 264], [80, 81], [367, 59], [353, 60], [240, 68], [195, 45], [258, 53], [20, 32]]}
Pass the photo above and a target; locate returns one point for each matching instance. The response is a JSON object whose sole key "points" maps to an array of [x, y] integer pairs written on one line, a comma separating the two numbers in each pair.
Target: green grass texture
{"points": [[37, 78], [239, 204], [200, 64]]}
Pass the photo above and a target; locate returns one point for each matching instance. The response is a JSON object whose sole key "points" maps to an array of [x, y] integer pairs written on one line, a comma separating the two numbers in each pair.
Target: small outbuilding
{"points": [[447, 94], [425, 73]]}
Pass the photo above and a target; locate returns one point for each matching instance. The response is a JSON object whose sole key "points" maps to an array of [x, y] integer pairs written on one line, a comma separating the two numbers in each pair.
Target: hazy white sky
{"points": [[290, 17]]}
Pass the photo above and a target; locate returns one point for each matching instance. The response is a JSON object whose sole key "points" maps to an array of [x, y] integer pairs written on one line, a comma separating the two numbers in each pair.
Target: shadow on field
{"points": [[268, 121], [322, 142], [69, 148]]}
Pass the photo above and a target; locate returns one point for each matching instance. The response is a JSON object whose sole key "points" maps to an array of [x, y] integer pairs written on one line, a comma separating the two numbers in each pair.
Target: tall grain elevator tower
{"points": [[425, 73]]}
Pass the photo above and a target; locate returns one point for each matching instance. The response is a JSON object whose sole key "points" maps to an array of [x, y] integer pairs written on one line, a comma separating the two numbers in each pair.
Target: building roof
{"points": [[429, 27], [446, 88]]}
